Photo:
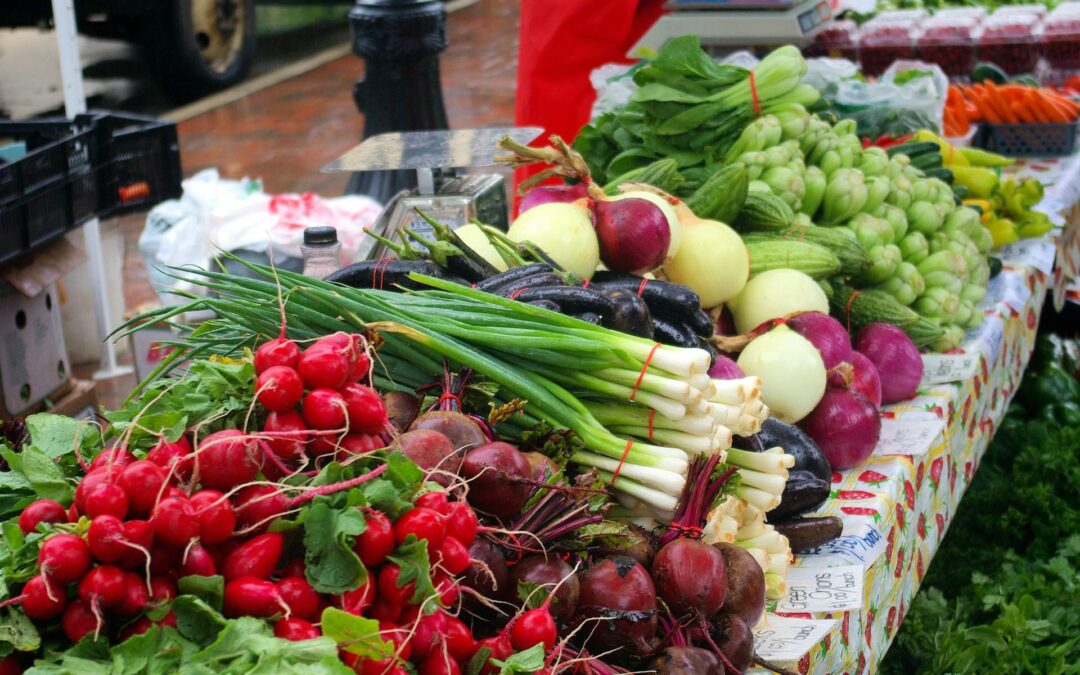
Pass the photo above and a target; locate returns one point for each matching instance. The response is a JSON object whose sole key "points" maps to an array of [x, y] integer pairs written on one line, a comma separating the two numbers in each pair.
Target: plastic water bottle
{"points": [[321, 250]]}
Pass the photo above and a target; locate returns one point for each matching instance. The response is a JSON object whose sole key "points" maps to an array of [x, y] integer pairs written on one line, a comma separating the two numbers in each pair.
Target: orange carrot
{"points": [[1000, 102], [1037, 105]]}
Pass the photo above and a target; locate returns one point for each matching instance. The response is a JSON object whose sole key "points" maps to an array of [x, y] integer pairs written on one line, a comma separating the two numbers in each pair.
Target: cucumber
{"points": [[927, 161], [942, 174], [663, 174], [720, 197], [852, 255], [812, 260], [860, 308], [764, 211], [914, 149]]}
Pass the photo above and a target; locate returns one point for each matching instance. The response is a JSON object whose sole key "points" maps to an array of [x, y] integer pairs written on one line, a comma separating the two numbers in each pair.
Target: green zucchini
{"points": [[721, 197], [764, 211], [941, 174], [927, 161], [852, 255]]}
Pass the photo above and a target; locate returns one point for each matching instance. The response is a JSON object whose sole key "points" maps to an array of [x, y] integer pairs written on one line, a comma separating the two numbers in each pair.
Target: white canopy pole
{"points": [[75, 104]]}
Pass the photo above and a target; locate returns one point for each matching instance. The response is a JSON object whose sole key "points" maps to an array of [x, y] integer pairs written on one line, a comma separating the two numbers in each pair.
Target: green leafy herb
{"points": [[412, 559], [355, 634], [210, 590], [528, 661], [332, 565]]}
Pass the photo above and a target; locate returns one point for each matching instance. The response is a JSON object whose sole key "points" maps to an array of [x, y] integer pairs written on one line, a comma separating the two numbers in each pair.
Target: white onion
{"points": [[773, 294], [791, 371], [564, 232], [473, 237]]}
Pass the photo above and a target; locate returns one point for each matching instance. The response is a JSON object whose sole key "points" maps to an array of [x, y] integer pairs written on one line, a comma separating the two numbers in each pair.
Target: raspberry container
{"points": [[838, 40], [1061, 37], [883, 40], [949, 41], [1011, 42]]}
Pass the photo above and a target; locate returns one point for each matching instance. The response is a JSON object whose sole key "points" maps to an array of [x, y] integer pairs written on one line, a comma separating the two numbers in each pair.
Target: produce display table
{"points": [[847, 600]]}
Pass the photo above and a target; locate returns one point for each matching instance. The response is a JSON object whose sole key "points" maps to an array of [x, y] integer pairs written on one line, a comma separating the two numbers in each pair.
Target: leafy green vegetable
{"points": [[214, 393], [210, 590], [528, 661], [332, 565], [355, 634], [412, 558]]}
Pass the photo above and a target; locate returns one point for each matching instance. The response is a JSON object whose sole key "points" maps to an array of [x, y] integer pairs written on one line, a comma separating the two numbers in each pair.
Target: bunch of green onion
{"points": [[641, 409]]}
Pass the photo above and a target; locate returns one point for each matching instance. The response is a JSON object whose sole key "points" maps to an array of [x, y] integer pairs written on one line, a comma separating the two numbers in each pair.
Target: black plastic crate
{"points": [[83, 194], [12, 231], [140, 162], [46, 214], [1027, 140]]}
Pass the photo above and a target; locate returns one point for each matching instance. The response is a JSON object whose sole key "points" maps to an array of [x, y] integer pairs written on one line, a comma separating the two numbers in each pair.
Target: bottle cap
{"points": [[323, 235]]}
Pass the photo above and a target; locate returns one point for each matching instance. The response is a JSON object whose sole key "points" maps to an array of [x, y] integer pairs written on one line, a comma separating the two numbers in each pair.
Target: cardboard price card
{"points": [[823, 589], [909, 435], [779, 638]]}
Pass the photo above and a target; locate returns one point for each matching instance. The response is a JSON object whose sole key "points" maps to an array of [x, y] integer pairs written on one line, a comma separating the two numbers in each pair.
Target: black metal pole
{"points": [[400, 41]]}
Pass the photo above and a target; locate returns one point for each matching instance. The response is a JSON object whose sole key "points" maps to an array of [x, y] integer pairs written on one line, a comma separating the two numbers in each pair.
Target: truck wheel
{"points": [[202, 46]]}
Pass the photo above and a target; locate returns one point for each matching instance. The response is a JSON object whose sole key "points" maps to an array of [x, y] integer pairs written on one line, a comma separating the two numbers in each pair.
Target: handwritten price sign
{"points": [[942, 368], [909, 435], [782, 639], [823, 589]]}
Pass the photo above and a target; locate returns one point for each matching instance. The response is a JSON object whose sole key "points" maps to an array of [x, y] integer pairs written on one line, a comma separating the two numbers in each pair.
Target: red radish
{"points": [[142, 482], [136, 597], [92, 481], [302, 599], [165, 559], [64, 558], [40, 600], [107, 499], [198, 562], [358, 600], [217, 520], [390, 591], [327, 367], [279, 388], [324, 409], [173, 457], [462, 523], [366, 410], [453, 556], [427, 634], [544, 194], [116, 458], [73, 513], [79, 621], [41, 511], [398, 637], [438, 664], [446, 588], [168, 620], [247, 596], [500, 648], [175, 522], [226, 459], [377, 541], [277, 352], [423, 524], [384, 610], [9, 665], [534, 626], [162, 590], [106, 539], [286, 434], [258, 505], [257, 557], [458, 638], [361, 369], [436, 501], [357, 444], [896, 358], [845, 425], [136, 627], [103, 586], [296, 630], [140, 533]]}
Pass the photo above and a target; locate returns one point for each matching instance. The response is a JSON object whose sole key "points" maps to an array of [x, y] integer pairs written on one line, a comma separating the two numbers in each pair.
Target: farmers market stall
{"points": [[709, 404]]}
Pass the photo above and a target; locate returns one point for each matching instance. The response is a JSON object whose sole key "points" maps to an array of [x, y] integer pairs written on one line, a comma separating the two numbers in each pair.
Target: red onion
{"points": [[845, 425], [725, 369], [858, 374], [825, 333], [552, 193], [896, 358], [635, 234]]}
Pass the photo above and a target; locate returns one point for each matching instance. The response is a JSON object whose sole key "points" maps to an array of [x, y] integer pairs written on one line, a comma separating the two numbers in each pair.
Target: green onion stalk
{"points": [[560, 365]]}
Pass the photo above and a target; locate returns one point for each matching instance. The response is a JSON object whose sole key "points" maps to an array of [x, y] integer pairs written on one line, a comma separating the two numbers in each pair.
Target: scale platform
{"points": [[733, 24]]}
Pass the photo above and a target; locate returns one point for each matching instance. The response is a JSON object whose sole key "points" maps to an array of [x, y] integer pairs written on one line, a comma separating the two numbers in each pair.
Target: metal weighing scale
{"points": [[727, 25], [440, 192]]}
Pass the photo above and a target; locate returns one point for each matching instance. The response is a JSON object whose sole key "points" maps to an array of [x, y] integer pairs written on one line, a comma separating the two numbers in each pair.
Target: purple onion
{"points": [[845, 425], [858, 374], [896, 358], [545, 194], [825, 333], [725, 369]]}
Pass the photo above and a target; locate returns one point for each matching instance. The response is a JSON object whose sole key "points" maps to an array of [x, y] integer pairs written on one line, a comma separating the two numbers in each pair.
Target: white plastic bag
{"points": [[614, 84]]}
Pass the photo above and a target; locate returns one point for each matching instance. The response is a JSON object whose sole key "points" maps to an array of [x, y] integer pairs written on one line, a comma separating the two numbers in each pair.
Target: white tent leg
{"points": [[74, 104]]}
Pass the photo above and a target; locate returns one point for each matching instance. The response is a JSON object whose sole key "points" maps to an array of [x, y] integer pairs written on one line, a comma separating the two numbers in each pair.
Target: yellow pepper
{"points": [[1003, 231], [984, 205]]}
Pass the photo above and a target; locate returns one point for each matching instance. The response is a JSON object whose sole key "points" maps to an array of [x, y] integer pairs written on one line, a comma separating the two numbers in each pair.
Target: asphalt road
{"points": [[116, 77]]}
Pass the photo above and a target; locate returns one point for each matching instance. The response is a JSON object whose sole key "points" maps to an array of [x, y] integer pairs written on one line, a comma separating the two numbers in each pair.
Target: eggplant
{"points": [[573, 299], [494, 283], [387, 274], [547, 304], [588, 317], [673, 333], [803, 492], [631, 314], [662, 297], [514, 288], [795, 442], [703, 343], [806, 534]]}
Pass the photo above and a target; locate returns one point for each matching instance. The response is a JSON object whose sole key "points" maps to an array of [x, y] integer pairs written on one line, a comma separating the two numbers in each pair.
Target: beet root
{"points": [[746, 584], [620, 592], [431, 451], [686, 660], [550, 573], [497, 473], [691, 577]]}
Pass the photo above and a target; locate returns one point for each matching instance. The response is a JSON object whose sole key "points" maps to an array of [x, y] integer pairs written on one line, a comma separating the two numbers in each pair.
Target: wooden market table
{"points": [[847, 600]]}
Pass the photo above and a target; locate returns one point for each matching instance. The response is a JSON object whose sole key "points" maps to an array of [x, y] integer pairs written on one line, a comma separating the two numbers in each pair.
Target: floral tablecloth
{"points": [[846, 601]]}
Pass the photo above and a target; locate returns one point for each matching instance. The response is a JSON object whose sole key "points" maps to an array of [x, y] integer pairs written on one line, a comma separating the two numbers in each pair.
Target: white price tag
{"points": [[780, 638], [860, 545], [1037, 253], [909, 435], [941, 368], [823, 589]]}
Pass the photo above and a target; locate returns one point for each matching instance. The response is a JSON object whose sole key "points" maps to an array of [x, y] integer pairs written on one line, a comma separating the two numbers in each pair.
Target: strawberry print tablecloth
{"points": [[897, 506]]}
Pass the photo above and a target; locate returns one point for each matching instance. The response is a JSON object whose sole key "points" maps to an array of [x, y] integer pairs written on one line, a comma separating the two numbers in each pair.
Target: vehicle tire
{"points": [[201, 46]]}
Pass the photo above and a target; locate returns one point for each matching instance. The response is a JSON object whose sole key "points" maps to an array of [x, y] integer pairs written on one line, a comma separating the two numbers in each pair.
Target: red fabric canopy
{"points": [[561, 42]]}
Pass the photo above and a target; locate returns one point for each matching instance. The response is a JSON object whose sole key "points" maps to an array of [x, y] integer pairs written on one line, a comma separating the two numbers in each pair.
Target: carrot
{"points": [[1050, 113], [1036, 104], [1064, 103], [1000, 101], [982, 100]]}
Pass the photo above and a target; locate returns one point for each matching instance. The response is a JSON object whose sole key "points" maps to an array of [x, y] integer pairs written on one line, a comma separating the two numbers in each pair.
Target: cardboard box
{"points": [[81, 402]]}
